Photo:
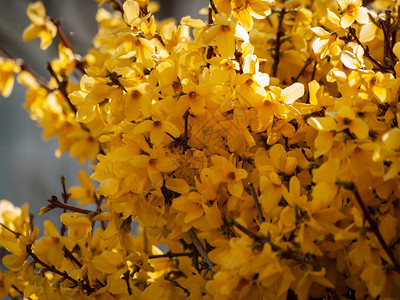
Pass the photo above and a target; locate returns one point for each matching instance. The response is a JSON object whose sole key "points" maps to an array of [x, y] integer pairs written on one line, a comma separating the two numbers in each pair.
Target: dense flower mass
{"points": [[261, 146]]}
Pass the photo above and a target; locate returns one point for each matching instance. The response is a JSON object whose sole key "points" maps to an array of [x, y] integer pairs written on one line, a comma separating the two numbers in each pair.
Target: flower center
{"points": [[225, 28], [232, 176]]}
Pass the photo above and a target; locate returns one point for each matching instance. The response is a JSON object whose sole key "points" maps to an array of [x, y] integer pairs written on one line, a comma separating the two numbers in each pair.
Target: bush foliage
{"points": [[262, 147]]}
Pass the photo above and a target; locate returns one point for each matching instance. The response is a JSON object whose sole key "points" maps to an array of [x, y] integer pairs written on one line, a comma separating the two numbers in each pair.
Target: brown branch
{"points": [[65, 41], [19, 61], [10, 230], [19, 291], [199, 247], [171, 278], [278, 42], [64, 274], [382, 68], [126, 278], [65, 197], [388, 55], [62, 36], [349, 185], [214, 8], [62, 87], [68, 254], [55, 203], [260, 216], [283, 253], [306, 64]]}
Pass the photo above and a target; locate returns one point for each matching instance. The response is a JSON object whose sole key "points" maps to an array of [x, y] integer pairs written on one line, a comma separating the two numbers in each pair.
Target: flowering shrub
{"points": [[262, 147]]}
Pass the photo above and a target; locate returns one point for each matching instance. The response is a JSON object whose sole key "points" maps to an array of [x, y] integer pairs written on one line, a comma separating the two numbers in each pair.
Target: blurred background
{"points": [[29, 171]]}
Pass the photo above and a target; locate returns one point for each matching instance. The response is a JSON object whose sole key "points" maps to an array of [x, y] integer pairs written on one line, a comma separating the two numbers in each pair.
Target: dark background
{"points": [[29, 171]]}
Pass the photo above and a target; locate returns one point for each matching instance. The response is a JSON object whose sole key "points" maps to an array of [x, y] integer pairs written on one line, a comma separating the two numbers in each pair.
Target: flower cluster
{"points": [[262, 147]]}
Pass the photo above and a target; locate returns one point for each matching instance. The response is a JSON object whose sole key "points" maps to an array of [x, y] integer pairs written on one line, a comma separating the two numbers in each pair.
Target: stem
{"points": [[55, 203], [62, 87], [54, 270], [260, 216], [126, 278], [65, 197], [65, 41], [10, 230], [283, 253], [199, 247], [68, 254], [279, 35], [62, 35], [214, 8], [185, 290], [388, 55], [19, 291], [349, 185], [367, 54], [306, 64]]}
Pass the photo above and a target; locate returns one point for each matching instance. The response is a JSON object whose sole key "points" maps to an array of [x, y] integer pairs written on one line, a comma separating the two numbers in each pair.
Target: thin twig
{"points": [[200, 248], [382, 68], [64, 274], [68, 254], [62, 87], [214, 8], [388, 55], [10, 230], [65, 41], [126, 278], [260, 216], [19, 291], [349, 185], [279, 35], [283, 253], [65, 197], [306, 64], [55, 203]]}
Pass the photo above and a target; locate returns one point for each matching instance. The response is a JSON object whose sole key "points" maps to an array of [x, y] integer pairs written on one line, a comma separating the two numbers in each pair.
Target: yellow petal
{"points": [[109, 186], [346, 20], [359, 128], [292, 93], [86, 112], [322, 123], [36, 13], [131, 12], [235, 188]]}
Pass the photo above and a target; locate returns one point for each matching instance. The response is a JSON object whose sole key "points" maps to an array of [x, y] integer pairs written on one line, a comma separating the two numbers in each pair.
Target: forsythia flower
{"points": [[41, 26], [8, 68], [260, 151]]}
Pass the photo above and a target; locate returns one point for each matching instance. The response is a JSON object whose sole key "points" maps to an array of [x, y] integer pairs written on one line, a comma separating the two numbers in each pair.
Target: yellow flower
{"points": [[41, 26], [325, 44], [158, 130], [225, 32], [78, 225], [246, 10], [225, 171], [84, 193], [8, 68], [352, 10]]}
